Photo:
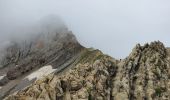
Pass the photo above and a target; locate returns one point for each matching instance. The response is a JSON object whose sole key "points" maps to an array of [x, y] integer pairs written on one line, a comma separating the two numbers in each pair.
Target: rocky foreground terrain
{"points": [[62, 69]]}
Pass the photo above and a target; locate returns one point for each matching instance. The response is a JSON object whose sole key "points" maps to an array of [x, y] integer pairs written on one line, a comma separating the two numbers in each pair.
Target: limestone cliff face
{"points": [[143, 75]]}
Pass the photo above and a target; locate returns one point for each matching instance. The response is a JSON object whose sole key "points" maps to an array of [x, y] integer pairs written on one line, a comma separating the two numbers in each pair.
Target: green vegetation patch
{"points": [[159, 91]]}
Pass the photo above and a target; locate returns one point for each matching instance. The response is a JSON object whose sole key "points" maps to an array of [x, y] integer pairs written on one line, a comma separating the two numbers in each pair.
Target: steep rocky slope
{"points": [[88, 78], [22, 64], [53, 49], [143, 75]]}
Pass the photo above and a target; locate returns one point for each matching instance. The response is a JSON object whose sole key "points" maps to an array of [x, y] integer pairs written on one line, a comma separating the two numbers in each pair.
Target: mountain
{"points": [[23, 61], [54, 66]]}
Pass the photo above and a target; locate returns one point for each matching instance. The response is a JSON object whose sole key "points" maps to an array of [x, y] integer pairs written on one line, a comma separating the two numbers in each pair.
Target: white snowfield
{"points": [[40, 73]]}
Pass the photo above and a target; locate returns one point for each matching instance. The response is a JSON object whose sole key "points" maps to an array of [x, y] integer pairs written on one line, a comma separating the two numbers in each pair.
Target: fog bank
{"points": [[113, 26]]}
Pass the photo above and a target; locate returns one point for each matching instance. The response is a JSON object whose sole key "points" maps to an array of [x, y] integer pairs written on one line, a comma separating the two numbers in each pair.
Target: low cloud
{"points": [[110, 25]]}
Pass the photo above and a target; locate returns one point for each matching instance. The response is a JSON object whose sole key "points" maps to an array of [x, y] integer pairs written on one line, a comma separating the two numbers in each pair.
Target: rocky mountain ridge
{"points": [[53, 65], [143, 75]]}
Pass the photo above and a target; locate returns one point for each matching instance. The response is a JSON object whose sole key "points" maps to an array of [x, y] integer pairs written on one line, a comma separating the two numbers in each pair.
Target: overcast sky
{"points": [[113, 26]]}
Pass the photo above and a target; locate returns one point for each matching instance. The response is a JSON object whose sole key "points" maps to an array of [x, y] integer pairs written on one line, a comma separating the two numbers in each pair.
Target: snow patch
{"points": [[1, 77], [44, 71]]}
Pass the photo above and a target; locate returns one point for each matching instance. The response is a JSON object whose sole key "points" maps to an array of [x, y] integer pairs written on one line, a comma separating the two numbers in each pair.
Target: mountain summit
{"points": [[54, 66]]}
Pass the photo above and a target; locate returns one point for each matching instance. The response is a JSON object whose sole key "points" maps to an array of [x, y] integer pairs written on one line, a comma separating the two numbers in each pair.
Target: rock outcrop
{"points": [[144, 74]]}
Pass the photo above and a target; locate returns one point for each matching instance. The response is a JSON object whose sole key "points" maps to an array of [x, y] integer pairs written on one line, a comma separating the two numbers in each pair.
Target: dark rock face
{"points": [[13, 73]]}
